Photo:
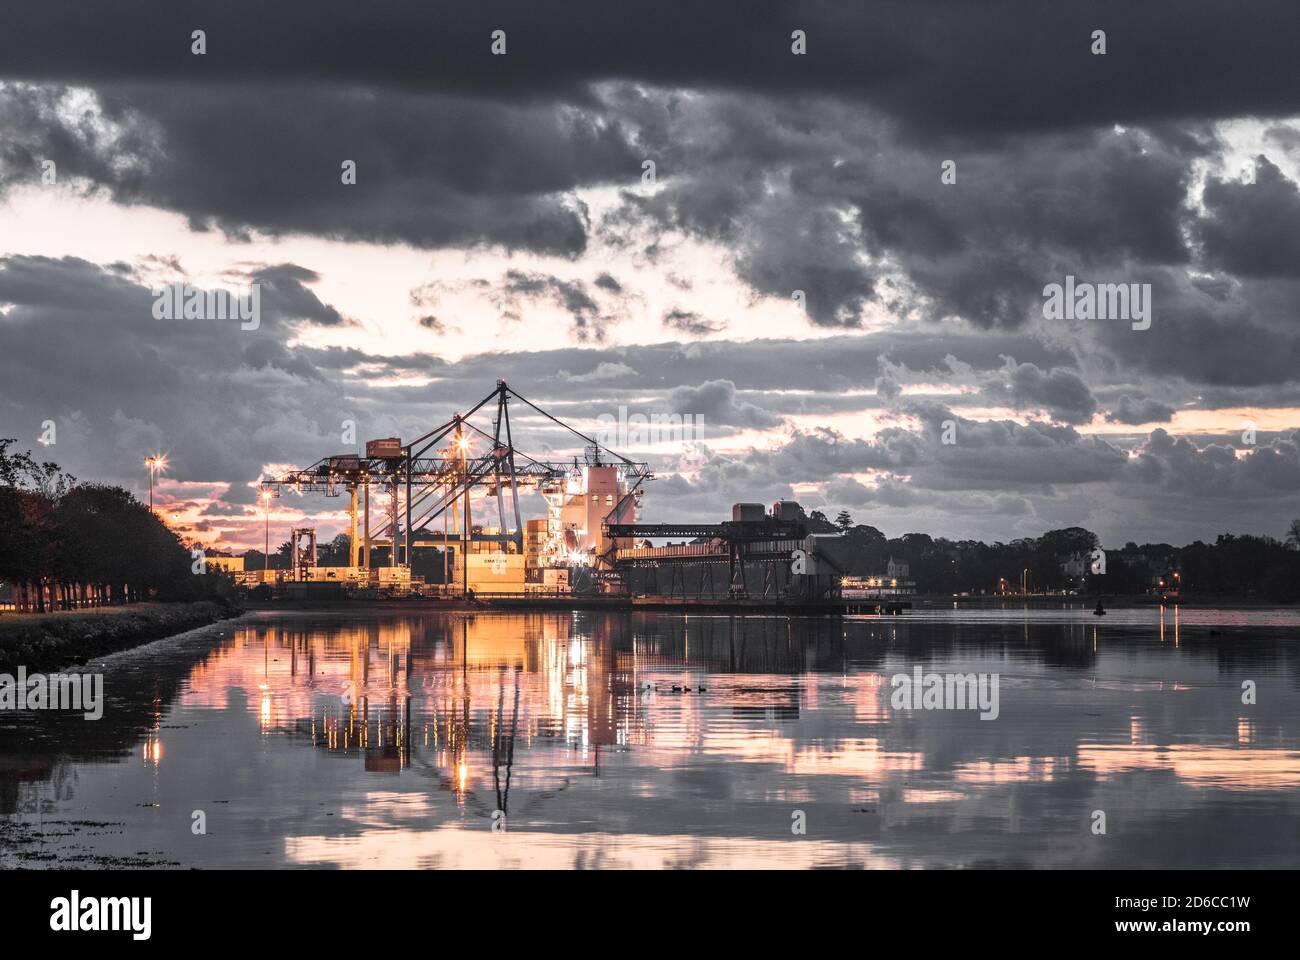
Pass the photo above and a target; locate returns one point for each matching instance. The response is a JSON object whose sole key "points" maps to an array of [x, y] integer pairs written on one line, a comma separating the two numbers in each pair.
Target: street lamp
{"points": [[266, 556], [155, 464], [462, 444]]}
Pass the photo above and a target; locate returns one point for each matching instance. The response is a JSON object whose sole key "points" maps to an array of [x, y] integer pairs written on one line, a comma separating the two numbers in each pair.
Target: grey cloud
{"points": [[220, 400], [1242, 335], [829, 198], [716, 401], [284, 291], [941, 67], [589, 322], [1137, 410], [429, 169], [1253, 229], [1059, 391], [1175, 464], [690, 322]]}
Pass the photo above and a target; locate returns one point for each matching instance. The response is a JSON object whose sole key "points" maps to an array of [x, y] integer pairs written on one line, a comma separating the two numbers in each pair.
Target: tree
{"points": [[1293, 534], [843, 520], [72, 544], [336, 552]]}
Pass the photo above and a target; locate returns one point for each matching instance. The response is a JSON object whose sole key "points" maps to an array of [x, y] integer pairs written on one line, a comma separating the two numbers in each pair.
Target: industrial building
{"points": [[426, 492]]}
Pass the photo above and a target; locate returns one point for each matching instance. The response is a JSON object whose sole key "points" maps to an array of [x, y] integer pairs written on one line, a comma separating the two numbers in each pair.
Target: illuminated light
{"points": [[152, 751], [1245, 730]]}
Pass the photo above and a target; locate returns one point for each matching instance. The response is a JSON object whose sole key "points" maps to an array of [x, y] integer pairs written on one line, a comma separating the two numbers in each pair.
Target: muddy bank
{"points": [[45, 643]]}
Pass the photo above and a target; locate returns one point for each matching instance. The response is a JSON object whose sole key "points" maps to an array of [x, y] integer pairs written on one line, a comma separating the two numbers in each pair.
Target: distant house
{"points": [[898, 569], [1076, 565]]}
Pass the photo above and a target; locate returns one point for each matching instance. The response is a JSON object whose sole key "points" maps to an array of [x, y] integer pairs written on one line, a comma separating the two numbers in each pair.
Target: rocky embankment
{"points": [[43, 643]]}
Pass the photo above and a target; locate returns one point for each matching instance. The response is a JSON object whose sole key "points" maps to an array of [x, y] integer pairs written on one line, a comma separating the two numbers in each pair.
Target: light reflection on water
{"points": [[392, 740]]}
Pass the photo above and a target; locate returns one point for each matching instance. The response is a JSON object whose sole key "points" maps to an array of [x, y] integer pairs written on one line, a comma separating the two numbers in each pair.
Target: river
{"points": [[393, 739]]}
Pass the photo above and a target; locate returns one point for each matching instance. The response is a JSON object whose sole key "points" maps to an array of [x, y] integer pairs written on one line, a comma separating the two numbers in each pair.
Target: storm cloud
{"points": [[843, 252]]}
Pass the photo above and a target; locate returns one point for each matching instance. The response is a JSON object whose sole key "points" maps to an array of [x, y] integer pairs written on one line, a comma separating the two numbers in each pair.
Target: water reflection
{"points": [[649, 740]]}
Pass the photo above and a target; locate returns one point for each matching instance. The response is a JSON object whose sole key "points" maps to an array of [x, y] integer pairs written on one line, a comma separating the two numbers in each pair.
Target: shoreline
{"points": [[707, 607], [1120, 601], [43, 642]]}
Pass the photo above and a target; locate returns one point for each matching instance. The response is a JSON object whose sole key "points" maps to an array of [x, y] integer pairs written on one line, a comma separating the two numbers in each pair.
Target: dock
{"points": [[595, 602]]}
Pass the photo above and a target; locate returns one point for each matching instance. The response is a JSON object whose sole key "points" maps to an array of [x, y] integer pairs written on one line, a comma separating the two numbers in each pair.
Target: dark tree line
{"points": [[1244, 566], [65, 544]]}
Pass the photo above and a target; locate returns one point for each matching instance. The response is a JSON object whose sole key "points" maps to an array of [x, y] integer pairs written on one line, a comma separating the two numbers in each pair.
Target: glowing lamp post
{"points": [[266, 556], [462, 445], [155, 464]]}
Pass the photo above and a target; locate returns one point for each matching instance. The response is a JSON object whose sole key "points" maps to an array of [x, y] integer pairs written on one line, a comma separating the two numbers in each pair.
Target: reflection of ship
{"points": [[448, 695], [454, 697], [438, 692]]}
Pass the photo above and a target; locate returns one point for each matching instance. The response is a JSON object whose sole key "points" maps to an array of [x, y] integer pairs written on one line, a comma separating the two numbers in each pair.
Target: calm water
{"points": [[398, 740]]}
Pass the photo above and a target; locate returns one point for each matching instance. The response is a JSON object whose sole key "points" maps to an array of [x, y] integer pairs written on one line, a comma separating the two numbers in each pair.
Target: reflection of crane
{"points": [[503, 798], [425, 480]]}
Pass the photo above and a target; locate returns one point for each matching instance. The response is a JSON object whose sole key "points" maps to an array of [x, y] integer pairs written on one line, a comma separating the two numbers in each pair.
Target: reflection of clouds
{"points": [[478, 847], [1227, 768], [1015, 770], [410, 771], [933, 796], [868, 693], [740, 744], [854, 758]]}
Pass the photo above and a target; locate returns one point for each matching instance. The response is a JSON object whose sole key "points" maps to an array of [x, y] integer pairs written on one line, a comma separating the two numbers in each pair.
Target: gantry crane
{"points": [[432, 476]]}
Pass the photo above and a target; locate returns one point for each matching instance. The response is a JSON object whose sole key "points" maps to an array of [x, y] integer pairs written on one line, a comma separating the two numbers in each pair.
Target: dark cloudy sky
{"points": [[500, 227]]}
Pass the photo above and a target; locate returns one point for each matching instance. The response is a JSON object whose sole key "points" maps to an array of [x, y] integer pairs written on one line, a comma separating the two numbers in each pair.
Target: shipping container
{"points": [[385, 447]]}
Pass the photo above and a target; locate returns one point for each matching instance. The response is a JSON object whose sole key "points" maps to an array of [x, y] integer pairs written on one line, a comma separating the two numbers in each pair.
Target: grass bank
{"points": [[43, 642]]}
